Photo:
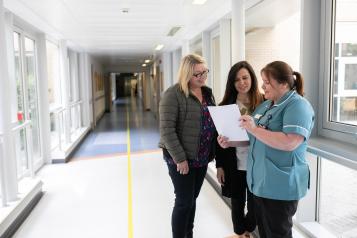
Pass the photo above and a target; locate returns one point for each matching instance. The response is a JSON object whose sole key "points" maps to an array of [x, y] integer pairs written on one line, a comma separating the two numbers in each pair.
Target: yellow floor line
{"points": [[130, 195]]}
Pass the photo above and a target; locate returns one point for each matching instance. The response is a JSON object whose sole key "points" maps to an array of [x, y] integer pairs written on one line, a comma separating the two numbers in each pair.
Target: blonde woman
{"points": [[187, 137]]}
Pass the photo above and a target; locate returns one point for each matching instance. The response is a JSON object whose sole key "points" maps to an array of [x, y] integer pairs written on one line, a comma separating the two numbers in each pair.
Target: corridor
{"points": [[81, 82]]}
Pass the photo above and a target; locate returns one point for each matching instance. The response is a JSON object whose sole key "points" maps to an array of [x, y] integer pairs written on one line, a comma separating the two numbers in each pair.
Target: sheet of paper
{"points": [[226, 120]]}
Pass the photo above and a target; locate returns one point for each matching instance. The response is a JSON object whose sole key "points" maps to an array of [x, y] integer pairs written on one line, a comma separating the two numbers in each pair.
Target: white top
{"points": [[242, 156], [242, 151]]}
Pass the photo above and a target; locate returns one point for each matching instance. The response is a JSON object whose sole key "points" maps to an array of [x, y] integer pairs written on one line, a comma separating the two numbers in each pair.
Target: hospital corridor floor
{"points": [[117, 185]]}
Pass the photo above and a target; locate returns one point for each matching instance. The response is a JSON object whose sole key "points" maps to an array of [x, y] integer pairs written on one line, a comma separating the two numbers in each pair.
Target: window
{"points": [[33, 109], [54, 93], [343, 86], [18, 77], [338, 199], [53, 75], [75, 109], [73, 76]]}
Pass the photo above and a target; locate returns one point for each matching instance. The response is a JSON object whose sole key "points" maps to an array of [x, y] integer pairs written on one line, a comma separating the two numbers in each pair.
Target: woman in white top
{"points": [[242, 89]]}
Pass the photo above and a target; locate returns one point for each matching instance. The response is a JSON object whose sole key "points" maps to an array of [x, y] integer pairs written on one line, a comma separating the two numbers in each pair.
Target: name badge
{"points": [[257, 116]]}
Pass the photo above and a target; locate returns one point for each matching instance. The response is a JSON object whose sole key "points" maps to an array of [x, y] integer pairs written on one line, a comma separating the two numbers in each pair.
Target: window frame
{"points": [[327, 128]]}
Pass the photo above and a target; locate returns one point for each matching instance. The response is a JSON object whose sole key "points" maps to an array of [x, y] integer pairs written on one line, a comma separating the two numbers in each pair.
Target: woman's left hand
{"points": [[247, 122]]}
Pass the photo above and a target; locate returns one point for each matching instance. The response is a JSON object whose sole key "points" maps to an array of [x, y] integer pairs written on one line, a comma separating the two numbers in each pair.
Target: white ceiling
{"points": [[101, 28]]}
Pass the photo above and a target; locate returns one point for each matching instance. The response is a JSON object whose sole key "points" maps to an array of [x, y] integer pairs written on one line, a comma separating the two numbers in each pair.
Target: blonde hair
{"points": [[186, 71]]}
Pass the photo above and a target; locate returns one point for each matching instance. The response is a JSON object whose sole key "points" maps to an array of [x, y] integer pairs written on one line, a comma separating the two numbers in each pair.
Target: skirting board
{"points": [[22, 215]]}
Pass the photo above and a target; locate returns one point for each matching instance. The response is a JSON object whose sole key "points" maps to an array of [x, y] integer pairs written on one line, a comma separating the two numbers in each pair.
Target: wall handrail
{"points": [[335, 151]]}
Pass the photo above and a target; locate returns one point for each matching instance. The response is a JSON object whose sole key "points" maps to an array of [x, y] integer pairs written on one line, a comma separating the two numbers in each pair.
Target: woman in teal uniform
{"points": [[277, 171]]}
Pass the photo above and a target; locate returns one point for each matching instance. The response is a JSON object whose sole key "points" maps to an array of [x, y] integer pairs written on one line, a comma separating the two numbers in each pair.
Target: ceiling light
{"points": [[199, 2], [173, 30], [144, 65], [159, 47], [147, 61], [125, 10]]}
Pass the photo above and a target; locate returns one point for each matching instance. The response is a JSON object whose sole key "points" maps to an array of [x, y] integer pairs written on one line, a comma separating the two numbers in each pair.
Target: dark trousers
{"points": [[187, 187], [243, 222], [274, 217]]}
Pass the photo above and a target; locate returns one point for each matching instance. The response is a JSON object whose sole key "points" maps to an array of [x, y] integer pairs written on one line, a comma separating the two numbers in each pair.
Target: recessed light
{"points": [[199, 2], [147, 61], [144, 65], [159, 47], [173, 30], [125, 10]]}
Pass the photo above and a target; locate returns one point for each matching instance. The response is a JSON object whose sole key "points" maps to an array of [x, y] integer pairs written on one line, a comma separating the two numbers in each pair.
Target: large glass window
{"points": [[75, 106], [23, 164], [53, 75], [27, 129], [31, 79], [20, 109], [338, 199], [54, 94], [343, 99]]}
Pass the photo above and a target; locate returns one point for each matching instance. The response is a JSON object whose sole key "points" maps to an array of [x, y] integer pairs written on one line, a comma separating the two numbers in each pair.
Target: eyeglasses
{"points": [[202, 74]]}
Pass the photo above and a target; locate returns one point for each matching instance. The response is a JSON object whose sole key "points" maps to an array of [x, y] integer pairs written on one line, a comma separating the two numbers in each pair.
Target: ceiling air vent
{"points": [[173, 30]]}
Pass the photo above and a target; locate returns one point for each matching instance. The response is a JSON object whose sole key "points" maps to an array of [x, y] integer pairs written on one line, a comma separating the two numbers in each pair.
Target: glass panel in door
{"points": [[20, 108], [20, 137], [33, 110]]}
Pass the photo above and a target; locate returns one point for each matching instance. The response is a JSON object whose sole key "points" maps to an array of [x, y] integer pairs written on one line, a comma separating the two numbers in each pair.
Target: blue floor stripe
{"points": [[144, 131]]}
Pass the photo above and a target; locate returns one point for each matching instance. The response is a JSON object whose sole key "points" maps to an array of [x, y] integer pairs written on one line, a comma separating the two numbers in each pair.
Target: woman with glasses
{"points": [[277, 171], [241, 89], [187, 137]]}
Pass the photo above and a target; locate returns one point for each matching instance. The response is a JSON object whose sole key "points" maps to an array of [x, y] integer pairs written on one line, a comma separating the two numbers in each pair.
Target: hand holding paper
{"points": [[226, 120]]}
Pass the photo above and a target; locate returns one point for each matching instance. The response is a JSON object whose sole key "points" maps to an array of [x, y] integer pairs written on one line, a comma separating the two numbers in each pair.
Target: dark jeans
{"points": [[187, 187], [274, 217], [243, 222]]}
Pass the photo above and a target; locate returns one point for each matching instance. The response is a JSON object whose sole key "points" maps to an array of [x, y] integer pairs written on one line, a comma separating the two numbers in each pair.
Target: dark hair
{"points": [[231, 93], [283, 73]]}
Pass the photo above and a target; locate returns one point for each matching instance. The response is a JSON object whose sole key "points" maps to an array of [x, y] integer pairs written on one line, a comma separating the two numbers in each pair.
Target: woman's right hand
{"points": [[183, 168], [223, 141], [220, 176]]}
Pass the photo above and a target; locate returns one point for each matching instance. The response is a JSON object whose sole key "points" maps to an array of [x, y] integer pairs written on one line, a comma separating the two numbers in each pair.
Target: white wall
{"points": [[282, 42]]}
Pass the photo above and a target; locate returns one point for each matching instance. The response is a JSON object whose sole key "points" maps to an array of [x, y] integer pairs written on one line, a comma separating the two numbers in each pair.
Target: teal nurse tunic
{"points": [[278, 174]]}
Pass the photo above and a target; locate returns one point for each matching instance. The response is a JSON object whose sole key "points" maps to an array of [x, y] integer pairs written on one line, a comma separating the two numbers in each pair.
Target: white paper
{"points": [[226, 120]]}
